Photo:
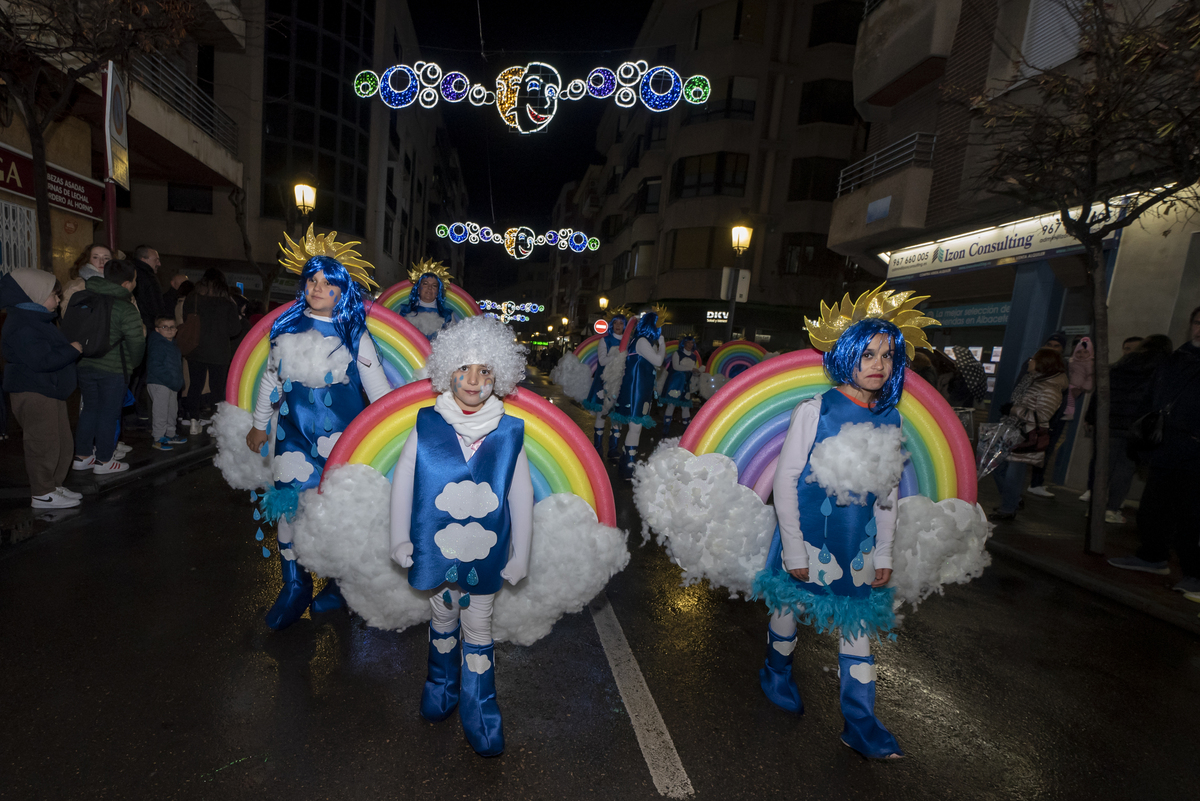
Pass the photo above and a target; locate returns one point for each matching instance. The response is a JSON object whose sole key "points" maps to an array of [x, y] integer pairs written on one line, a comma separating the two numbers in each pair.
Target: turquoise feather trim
{"points": [[871, 616], [591, 406], [278, 503], [645, 421]]}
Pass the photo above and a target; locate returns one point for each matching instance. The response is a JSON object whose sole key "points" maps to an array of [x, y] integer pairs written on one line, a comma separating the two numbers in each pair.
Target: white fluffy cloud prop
{"points": [[613, 375], [343, 532], [859, 459], [573, 376], [712, 527], [308, 357], [937, 544], [242, 468]]}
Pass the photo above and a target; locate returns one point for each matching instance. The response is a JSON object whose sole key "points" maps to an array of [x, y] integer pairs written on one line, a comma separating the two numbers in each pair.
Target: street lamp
{"points": [[603, 303], [549, 328], [306, 193], [565, 321], [741, 241]]}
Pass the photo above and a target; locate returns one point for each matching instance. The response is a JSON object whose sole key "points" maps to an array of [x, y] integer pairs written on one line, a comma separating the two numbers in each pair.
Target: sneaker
{"points": [[53, 500], [121, 451], [175, 439], [162, 444], [1187, 584], [1085, 497], [1133, 563], [66, 493], [110, 467], [1192, 596], [85, 463], [1041, 492], [194, 428], [1113, 517]]}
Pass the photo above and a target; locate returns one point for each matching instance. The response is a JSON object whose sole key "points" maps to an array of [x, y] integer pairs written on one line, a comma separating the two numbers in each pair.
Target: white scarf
{"points": [[470, 427]]}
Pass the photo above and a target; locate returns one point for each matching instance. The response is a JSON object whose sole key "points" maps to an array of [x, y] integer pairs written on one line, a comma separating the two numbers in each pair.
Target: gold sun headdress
{"points": [[424, 266], [297, 254], [895, 307]]}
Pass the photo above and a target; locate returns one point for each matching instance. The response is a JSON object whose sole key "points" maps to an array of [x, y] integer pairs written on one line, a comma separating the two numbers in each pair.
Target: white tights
{"points": [[684, 414], [283, 533], [634, 436], [784, 625], [476, 619], [599, 424]]}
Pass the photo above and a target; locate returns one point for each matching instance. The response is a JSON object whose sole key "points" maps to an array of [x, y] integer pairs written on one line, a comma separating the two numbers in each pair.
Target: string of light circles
{"points": [[519, 241], [509, 311]]}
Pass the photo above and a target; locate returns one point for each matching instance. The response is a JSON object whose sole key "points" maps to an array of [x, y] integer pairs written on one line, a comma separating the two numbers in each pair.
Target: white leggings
{"points": [[685, 414], [600, 423], [284, 535], [784, 625], [634, 436], [476, 619]]}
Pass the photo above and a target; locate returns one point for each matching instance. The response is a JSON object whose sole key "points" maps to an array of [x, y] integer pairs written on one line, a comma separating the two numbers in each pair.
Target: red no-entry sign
{"points": [[600, 327]]}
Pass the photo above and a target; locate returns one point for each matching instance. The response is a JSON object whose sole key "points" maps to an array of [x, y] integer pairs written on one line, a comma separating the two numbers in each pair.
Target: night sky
{"points": [[527, 172]]}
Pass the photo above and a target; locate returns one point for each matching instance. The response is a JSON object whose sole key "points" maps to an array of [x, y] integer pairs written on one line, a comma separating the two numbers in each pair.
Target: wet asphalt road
{"points": [[135, 664]]}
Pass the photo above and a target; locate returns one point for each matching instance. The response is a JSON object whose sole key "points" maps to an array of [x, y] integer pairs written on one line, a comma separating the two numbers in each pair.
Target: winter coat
{"points": [[1036, 407], [149, 295], [75, 284], [220, 325], [1129, 380], [38, 357], [1177, 382], [164, 364], [125, 333]]}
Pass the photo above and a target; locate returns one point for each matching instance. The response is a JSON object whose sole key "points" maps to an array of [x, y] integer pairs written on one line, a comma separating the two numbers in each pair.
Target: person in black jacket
{"points": [[40, 376], [1168, 515], [220, 325]]}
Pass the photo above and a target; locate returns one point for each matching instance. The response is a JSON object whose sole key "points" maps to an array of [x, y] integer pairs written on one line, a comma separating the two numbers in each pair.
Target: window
{"points": [[18, 237], [815, 178], [835, 21], [1051, 35], [701, 249], [737, 103], [610, 225], [656, 130], [827, 100], [806, 254], [711, 174], [189, 198], [648, 195], [732, 20]]}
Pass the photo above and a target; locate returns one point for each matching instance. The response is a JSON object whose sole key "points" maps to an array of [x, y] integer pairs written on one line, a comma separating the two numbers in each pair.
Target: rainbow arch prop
{"points": [[735, 356], [588, 351], [747, 420], [402, 347], [461, 304], [673, 347], [561, 458]]}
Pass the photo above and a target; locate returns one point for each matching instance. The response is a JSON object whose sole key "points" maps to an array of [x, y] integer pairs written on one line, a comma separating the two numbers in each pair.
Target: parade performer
{"points": [[322, 360], [426, 307], [465, 460], [677, 391], [608, 350], [645, 353]]}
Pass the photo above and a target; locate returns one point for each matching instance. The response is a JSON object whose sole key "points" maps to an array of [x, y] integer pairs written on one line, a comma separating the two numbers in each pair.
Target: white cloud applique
{"points": [[867, 574], [478, 663], [784, 647], [325, 444], [818, 572], [291, 466], [467, 499], [863, 672], [444, 645], [466, 543]]}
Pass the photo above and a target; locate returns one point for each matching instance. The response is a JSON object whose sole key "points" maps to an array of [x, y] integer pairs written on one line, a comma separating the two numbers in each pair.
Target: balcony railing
{"points": [[914, 149], [179, 92]]}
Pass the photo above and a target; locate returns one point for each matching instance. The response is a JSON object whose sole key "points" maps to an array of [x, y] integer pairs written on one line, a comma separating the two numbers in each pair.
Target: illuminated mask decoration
{"points": [[519, 241], [527, 97], [509, 311]]}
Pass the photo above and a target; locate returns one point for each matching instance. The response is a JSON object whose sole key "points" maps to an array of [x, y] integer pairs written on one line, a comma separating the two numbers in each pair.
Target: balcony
{"points": [[903, 46], [915, 149], [179, 92]]}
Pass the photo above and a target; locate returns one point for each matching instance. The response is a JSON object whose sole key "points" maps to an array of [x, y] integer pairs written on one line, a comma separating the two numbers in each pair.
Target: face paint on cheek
{"points": [[485, 392]]}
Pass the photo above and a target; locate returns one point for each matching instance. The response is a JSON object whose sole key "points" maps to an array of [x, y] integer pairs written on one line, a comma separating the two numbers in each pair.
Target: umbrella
{"points": [[996, 441]]}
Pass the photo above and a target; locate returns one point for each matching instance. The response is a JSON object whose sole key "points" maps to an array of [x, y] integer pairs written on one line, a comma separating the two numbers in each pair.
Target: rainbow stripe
{"points": [[400, 344], [673, 346], [461, 304], [748, 418], [588, 351], [735, 356], [561, 459]]}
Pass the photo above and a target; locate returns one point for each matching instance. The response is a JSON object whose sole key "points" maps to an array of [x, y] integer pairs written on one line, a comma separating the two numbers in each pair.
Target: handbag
{"points": [[1035, 441], [187, 339]]}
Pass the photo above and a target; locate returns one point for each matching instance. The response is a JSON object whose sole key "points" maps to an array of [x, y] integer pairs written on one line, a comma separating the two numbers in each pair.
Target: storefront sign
{"points": [[1035, 237], [116, 102], [717, 316], [68, 190], [972, 315]]}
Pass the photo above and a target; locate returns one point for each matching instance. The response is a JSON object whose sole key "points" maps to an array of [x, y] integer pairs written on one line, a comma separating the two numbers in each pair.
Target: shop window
{"points": [[827, 100], [835, 21], [710, 174], [815, 178], [189, 198]]}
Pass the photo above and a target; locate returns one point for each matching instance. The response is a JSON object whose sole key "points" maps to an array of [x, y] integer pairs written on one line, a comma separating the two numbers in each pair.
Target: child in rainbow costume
{"points": [[608, 351], [677, 391], [426, 310], [646, 352], [322, 361]]}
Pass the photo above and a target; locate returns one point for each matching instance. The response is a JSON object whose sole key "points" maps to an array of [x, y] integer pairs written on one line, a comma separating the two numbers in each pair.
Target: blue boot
{"points": [[775, 676], [296, 594], [477, 707], [598, 441], [628, 462], [666, 426], [863, 732], [329, 599], [440, 695]]}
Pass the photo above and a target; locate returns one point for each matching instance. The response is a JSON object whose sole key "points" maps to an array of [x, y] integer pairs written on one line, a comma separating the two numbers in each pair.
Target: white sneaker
{"points": [[53, 501], [66, 493], [1085, 497], [1113, 517], [110, 467], [1041, 492], [195, 428], [83, 464]]}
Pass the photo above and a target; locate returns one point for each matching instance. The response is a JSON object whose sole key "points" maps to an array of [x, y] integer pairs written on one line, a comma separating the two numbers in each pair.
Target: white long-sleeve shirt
{"points": [[655, 354], [605, 354], [681, 362], [802, 432], [520, 508]]}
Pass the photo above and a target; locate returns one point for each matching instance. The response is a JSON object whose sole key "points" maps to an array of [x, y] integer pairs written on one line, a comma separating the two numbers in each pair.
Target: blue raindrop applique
{"points": [[263, 450], [287, 385], [857, 564], [826, 507], [257, 515], [284, 408], [464, 601], [447, 599], [328, 424], [327, 400], [871, 528], [275, 395], [452, 574], [824, 557], [312, 398], [316, 454], [472, 577], [266, 552], [258, 535], [253, 496], [279, 434], [329, 377]]}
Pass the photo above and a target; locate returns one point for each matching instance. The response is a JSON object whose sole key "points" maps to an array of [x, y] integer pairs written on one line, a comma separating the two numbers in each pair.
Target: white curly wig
{"points": [[477, 340]]}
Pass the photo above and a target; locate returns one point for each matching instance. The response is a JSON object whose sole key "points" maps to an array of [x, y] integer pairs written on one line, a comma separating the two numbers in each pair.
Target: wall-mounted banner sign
{"points": [[68, 190], [716, 316], [509, 311], [519, 242], [1033, 238], [975, 314], [527, 97]]}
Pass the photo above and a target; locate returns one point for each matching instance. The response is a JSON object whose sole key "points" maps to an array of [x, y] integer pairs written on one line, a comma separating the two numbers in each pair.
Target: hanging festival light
{"points": [[509, 311], [527, 97], [518, 241]]}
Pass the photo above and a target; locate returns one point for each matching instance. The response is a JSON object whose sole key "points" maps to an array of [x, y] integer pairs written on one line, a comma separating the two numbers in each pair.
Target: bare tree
{"points": [[1103, 141], [48, 46]]}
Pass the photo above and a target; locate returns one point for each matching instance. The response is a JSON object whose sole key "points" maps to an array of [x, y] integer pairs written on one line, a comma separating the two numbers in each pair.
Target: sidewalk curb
{"points": [[1087, 581], [153, 467]]}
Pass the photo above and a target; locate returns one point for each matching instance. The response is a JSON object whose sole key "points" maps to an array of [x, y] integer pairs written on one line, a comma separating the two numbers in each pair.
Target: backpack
{"points": [[88, 320]]}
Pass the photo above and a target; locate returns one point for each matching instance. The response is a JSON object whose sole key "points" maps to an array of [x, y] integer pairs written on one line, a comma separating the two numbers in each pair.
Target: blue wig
{"points": [[687, 338], [647, 327], [411, 305], [846, 355], [349, 315]]}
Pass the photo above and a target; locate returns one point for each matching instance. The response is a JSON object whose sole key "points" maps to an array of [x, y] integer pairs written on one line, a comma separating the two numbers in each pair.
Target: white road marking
{"points": [[662, 759]]}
